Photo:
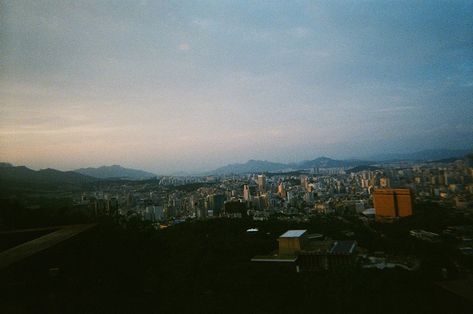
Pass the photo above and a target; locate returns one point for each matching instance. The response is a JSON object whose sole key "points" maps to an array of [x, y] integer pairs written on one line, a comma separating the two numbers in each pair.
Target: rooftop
{"points": [[293, 234]]}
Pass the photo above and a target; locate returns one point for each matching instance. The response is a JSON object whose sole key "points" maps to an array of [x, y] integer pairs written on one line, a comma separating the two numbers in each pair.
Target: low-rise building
{"points": [[311, 252]]}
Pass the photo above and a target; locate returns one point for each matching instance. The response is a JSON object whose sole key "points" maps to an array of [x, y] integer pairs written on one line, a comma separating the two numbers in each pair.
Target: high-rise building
{"points": [[201, 208], [392, 203], [384, 182], [281, 190], [261, 183], [290, 196], [216, 203], [246, 193], [305, 182]]}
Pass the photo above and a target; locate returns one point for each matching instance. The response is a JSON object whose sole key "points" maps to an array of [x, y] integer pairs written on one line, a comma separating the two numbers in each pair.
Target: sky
{"points": [[170, 86]]}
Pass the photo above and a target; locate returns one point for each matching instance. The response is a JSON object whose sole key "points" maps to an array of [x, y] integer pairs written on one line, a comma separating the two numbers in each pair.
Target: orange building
{"points": [[291, 242], [392, 203]]}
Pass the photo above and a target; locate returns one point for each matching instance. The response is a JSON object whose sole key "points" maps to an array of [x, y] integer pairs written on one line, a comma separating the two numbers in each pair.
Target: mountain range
{"points": [[252, 166], [23, 176], [115, 172], [268, 166], [426, 155], [13, 177], [18, 175]]}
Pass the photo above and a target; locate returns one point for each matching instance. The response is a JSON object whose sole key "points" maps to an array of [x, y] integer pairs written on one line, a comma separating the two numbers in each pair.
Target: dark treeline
{"points": [[47, 211]]}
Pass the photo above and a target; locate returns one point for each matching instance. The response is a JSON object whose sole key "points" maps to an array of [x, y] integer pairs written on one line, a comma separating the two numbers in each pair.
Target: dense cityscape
{"points": [[294, 195]]}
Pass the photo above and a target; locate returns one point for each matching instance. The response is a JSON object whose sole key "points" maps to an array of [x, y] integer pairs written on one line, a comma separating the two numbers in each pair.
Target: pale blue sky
{"points": [[192, 85]]}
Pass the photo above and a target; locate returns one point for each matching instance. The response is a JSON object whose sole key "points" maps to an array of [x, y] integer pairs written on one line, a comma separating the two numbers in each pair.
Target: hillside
{"points": [[22, 174]]}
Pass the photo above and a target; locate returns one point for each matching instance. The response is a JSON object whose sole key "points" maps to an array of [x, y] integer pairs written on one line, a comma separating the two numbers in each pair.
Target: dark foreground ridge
{"points": [[37, 245], [204, 267]]}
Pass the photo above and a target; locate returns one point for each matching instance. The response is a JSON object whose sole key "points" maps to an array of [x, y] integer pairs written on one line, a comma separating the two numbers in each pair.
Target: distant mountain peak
{"points": [[115, 172], [253, 166]]}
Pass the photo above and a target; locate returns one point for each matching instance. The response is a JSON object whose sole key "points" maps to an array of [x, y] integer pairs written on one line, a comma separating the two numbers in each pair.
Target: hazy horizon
{"points": [[375, 157], [192, 86]]}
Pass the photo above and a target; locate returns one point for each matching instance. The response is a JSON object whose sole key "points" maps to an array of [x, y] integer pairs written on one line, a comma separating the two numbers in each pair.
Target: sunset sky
{"points": [[170, 86]]}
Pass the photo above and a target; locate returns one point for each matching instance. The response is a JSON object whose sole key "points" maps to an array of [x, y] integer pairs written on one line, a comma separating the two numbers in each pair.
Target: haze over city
{"points": [[191, 86]]}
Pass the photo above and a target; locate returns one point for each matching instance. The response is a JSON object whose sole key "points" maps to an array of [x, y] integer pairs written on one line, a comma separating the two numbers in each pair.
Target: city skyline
{"points": [[193, 86], [265, 166]]}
